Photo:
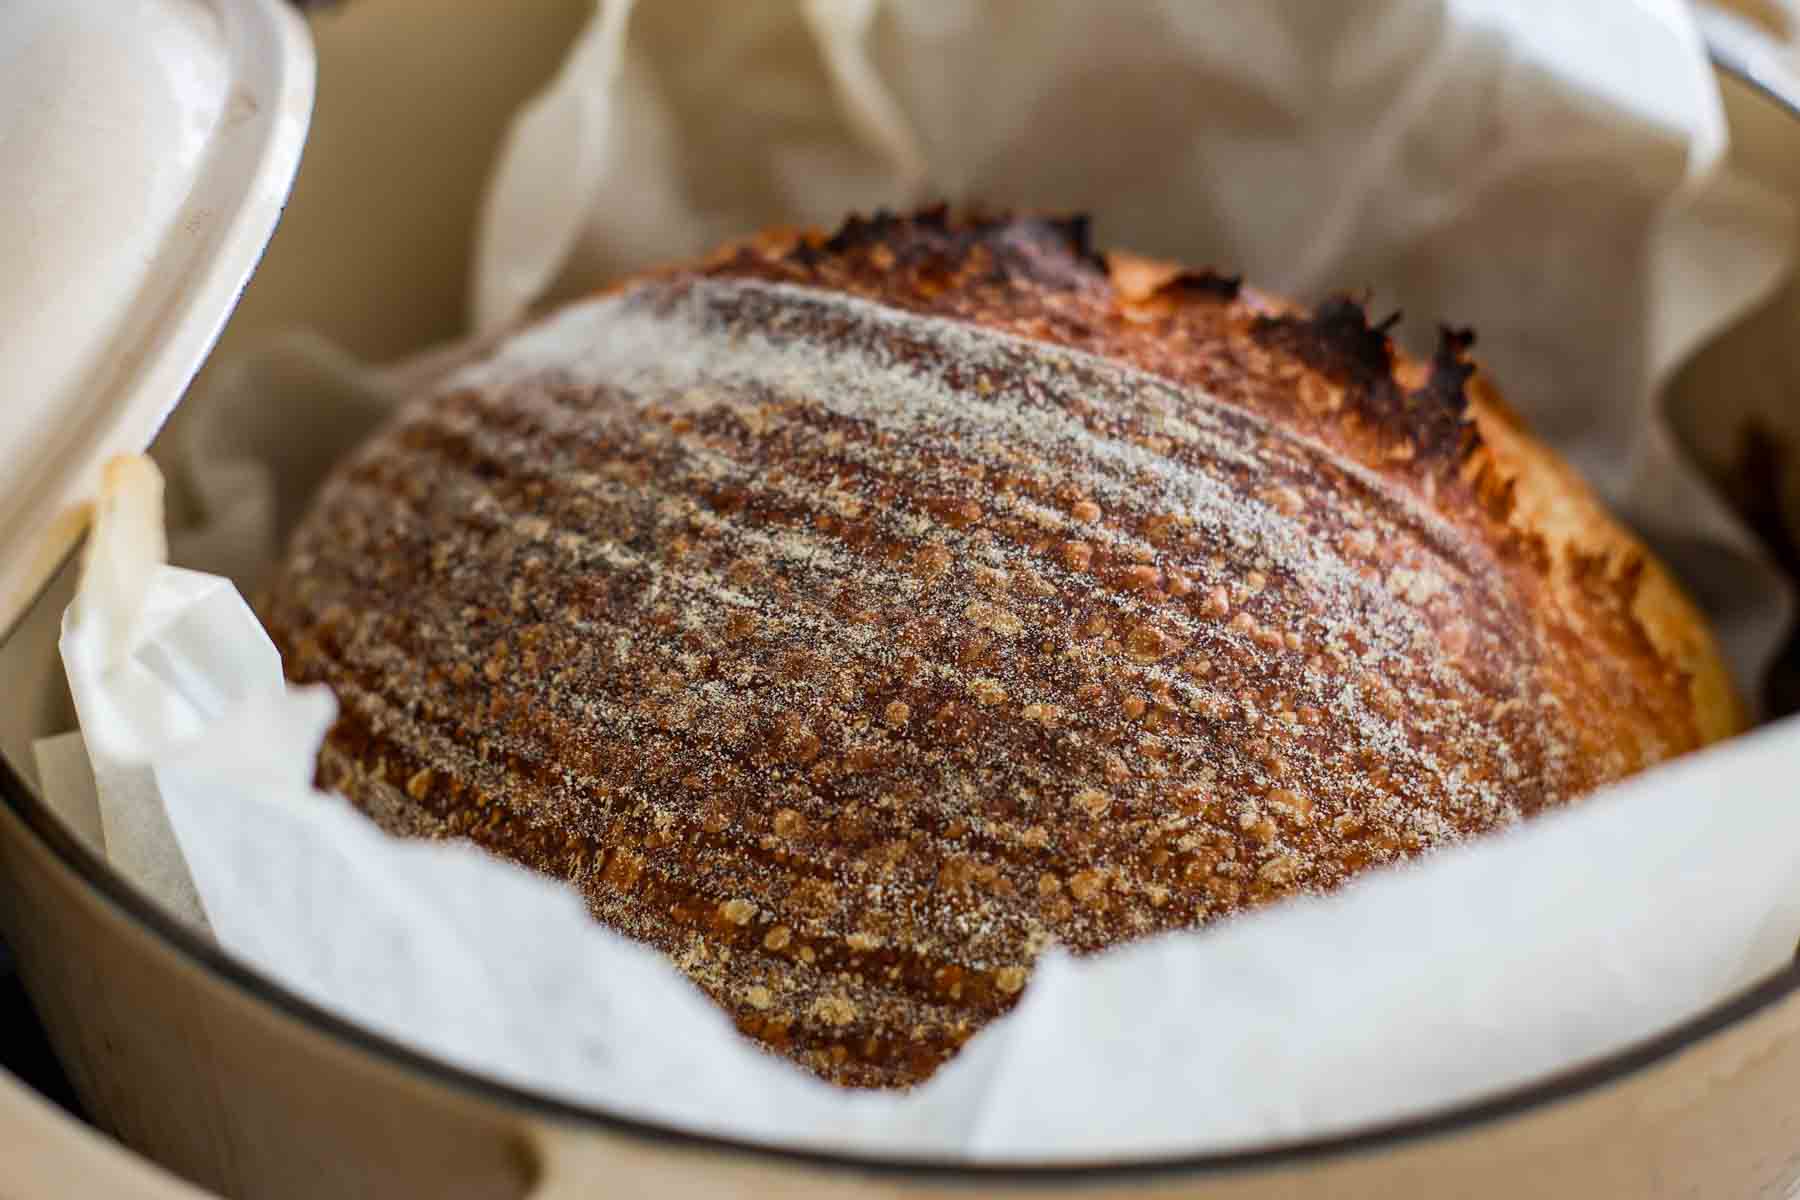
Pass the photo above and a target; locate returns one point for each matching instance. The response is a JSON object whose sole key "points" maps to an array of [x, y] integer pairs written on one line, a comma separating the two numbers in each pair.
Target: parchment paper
{"points": [[1551, 174]]}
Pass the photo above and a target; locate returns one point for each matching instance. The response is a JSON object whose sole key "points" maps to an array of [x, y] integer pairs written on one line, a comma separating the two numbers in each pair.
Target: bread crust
{"points": [[852, 617]]}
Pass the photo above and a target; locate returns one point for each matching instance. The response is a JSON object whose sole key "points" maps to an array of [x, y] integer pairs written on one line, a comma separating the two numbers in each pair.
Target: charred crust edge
{"points": [[1451, 370], [913, 257], [1056, 251], [1206, 283], [1338, 340]]}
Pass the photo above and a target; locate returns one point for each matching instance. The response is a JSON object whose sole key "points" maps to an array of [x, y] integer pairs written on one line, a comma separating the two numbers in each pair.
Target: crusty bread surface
{"points": [[854, 617]]}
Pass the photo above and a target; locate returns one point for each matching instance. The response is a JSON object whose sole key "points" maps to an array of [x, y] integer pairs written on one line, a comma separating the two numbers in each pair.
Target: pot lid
{"points": [[147, 147]]}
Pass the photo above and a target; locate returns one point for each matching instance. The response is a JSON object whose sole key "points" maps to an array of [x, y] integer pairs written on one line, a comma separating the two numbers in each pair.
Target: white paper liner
{"points": [[1492, 164]]}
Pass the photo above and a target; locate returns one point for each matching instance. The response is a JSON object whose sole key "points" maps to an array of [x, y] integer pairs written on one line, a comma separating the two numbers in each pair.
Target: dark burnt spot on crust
{"points": [[1451, 371], [1337, 341], [1052, 251], [1429, 423], [1206, 282], [1076, 232], [805, 253], [859, 233]]}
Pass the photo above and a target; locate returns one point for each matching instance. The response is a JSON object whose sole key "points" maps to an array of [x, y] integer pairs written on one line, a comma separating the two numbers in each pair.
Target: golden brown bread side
{"points": [[854, 617]]}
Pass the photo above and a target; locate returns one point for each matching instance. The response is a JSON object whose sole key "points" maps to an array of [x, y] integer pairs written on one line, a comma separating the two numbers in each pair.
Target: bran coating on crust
{"points": [[853, 617]]}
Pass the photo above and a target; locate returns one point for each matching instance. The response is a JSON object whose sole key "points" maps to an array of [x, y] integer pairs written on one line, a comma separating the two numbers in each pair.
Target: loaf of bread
{"points": [[854, 617]]}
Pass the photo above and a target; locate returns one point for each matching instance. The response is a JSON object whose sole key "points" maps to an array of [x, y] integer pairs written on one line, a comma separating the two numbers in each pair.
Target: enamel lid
{"points": [[146, 149]]}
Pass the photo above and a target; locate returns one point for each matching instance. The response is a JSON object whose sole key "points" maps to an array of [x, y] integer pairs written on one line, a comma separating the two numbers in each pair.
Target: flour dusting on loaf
{"points": [[853, 618]]}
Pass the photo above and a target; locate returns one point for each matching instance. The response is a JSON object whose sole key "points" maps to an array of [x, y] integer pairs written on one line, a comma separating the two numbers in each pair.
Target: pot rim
{"points": [[1571, 1082], [1579, 1079]]}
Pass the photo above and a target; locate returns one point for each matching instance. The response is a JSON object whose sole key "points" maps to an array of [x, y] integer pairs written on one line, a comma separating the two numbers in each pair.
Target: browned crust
{"points": [[852, 708], [1438, 428]]}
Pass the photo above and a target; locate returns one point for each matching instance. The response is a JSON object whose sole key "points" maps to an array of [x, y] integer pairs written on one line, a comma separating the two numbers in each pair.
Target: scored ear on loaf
{"points": [[854, 617]]}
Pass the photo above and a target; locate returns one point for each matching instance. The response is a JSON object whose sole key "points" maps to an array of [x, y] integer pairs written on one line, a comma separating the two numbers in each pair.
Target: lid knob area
{"points": [[147, 147]]}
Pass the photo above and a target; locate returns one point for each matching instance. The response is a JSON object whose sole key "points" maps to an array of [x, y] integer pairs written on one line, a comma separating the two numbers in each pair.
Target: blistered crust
{"points": [[853, 617]]}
